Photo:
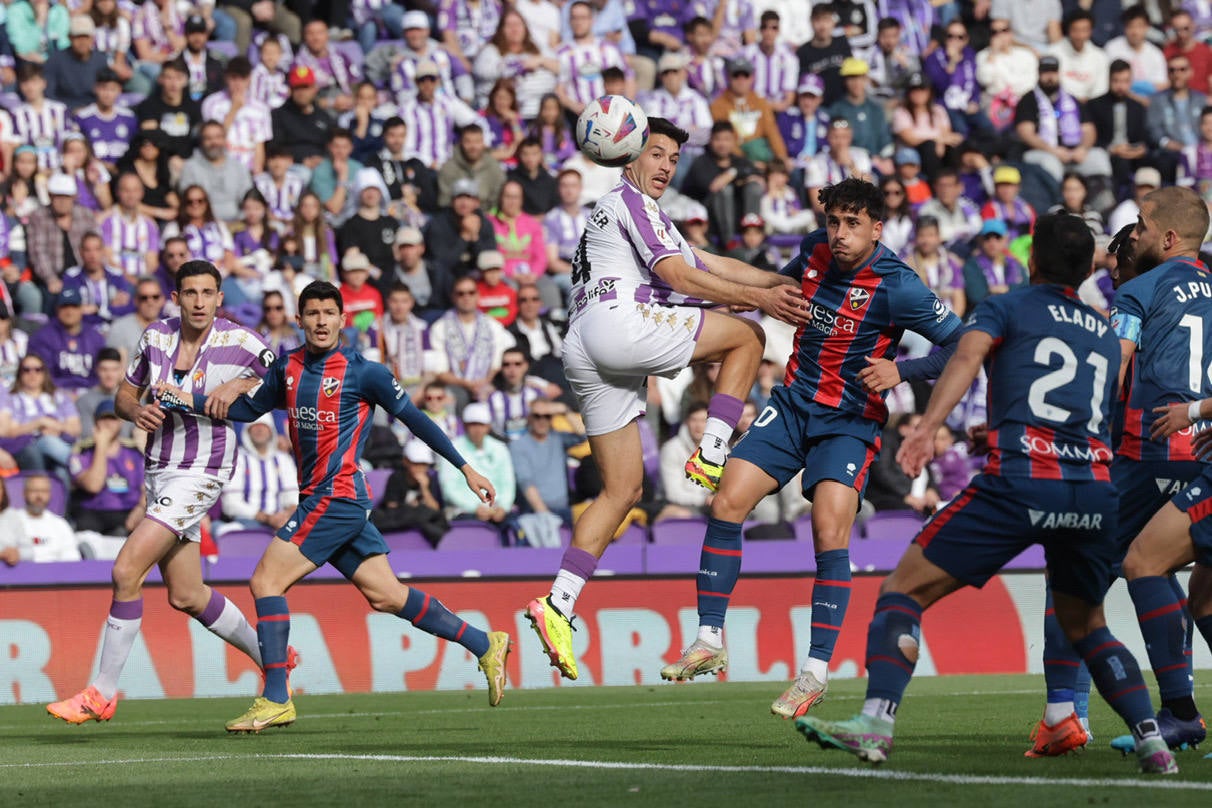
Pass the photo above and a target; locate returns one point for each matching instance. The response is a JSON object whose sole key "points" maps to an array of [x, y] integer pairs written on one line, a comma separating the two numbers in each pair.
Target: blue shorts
{"points": [[996, 518], [825, 444], [333, 531], [1196, 502], [1144, 487]]}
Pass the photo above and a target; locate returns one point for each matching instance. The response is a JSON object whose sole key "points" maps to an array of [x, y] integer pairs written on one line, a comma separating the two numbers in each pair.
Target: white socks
{"points": [[565, 591], [882, 709], [232, 626], [714, 444], [119, 637], [1056, 712], [818, 668], [712, 636]]}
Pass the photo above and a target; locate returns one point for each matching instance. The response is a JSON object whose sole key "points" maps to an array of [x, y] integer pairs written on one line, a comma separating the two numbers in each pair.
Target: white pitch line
{"points": [[857, 773]]}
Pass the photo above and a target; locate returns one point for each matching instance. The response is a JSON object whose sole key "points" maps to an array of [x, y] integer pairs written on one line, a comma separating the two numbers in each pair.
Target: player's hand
{"points": [[784, 303], [879, 375], [979, 435], [480, 486], [1171, 418], [149, 417], [219, 400], [1202, 445], [916, 451]]}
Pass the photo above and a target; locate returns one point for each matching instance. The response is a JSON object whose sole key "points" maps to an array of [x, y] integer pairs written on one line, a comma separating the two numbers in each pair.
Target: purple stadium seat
{"points": [[377, 480], [467, 534], [244, 543], [634, 534], [679, 531], [16, 492], [893, 525], [408, 541]]}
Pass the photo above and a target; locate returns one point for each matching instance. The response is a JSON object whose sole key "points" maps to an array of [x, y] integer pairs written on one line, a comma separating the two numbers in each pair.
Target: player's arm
{"points": [[916, 307], [731, 269], [219, 401], [128, 404], [781, 301], [918, 448]]}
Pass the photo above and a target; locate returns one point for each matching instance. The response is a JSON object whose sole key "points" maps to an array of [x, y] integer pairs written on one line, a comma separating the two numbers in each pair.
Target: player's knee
{"points": [[126, 577], [190, 602], [730, 506], [386, 602], [1136, 565]]}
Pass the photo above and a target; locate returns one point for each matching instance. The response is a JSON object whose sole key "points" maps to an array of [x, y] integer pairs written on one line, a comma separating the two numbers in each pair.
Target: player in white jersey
{"points": [[189, 458], [639, 309]]}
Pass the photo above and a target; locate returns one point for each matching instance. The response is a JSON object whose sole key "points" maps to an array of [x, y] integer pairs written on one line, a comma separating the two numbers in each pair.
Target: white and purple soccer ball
{"points": [[612, 131]]}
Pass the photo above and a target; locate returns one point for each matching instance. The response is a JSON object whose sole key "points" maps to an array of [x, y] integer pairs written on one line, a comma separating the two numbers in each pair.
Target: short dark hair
{"points": [[108, 354], [1063, 248], [529, 143], [273, 149], [28, 70], [177, 64], [393, 122], [1076, 15], [321, 290], [696, 22], [926, 221], [1136, 12], [854, 195], [399, 286], [769, 15], [1118, 66], [238, 67], [613, 73], [338, 132], [820, 10], [661, 126], [887, 22], [196, 267], [717, 127], [946, 172], [471, 128]]}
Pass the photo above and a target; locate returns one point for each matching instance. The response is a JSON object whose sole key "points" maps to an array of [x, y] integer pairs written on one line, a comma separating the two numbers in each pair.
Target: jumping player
{"points": [[189, 458], [1051, 364], [825, 420], [329, 394], [639, 293]]}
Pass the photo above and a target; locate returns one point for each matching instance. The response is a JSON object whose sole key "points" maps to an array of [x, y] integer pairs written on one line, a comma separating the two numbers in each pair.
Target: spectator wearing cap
{"points": [[107, 475], [363, 303], [562, 229], [909, 173], [837, 161], [247, 121], [753, 249], [704, 66], [1120, 126], [890, 61], [539, 192], [992, 270], [71, 73], [751, 116], [584, 56], [419, 47], [953, 73], [776, 69], [402, 171], [1035, 23], [108, 127], [868, 122], [1007, 206], [40, 121], [205, 71], [32, 39], [540, 460], [335, 75], [495, 298], [1083, 64], [1146, 59], [1058, 132], [470, 160], [1173, 118], [674, 101], [104, 290], [958, 217], [804, 127], [489, 455], [170, 111], [454, 237], [824, 53], [695, 228], [300, 125], [1145, 179], [922, 124], [408, 267], [67, 344], [275, 16], [728, 184], [53, 233], [332, 179], [370, 228], [224, 178], [432, 117]]}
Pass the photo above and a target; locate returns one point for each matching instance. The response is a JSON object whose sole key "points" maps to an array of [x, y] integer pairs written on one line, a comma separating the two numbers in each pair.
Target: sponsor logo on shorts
{"points": [[851, 468], [1065, 519], [165, 501], [1168, 486]]}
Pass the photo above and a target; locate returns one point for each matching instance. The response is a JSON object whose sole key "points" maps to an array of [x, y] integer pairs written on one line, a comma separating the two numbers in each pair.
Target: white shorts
{"points": [[179, 499], [610, 352]]}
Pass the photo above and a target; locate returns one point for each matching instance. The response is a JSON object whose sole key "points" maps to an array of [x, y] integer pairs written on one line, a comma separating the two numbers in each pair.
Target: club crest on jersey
{"points": [[198, 376], [329, 385], [858, 297]]}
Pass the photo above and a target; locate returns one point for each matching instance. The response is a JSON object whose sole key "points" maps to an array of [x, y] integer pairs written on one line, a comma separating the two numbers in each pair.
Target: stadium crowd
{"points": [[422, 156]]}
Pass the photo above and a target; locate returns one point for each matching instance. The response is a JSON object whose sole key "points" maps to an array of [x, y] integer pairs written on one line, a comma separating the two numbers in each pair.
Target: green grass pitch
{"points": [[960, 741]]}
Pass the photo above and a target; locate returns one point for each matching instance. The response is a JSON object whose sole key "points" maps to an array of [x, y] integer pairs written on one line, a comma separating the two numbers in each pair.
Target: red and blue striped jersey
{"points": [[1167, 314], [852, 316], [330, 400], [1052, 381]]}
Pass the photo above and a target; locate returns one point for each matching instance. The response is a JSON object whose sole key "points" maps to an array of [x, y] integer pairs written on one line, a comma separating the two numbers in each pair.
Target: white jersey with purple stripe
{"points": [[281, 198], [130, 240], [112, 41], [688, 110], [268, 87], [333, 70], [473, 25], [250, 128], [430, 134], [403, 81], [43, 129], [627, 235], [581, 66], [776, 74], [109, 134], [148, 24], [189, 441]]}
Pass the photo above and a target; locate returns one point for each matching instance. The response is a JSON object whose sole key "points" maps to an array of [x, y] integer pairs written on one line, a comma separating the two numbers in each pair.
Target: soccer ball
{"points": [[612, 131]]}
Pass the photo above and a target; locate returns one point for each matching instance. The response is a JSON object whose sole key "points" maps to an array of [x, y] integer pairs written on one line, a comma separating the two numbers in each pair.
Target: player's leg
{"points": [[737, 344], [620, 461], [1065, 675], [144, 548], [893, 642], [181, 568], [383, 591]]}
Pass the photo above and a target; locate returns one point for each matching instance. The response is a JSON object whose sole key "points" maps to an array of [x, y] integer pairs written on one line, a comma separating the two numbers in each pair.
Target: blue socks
{"points": [[1117, 676], [719, 568], [830, 597], [1160, 613], [273, 635], [1065, 675], [893, 640], [429, 615]]}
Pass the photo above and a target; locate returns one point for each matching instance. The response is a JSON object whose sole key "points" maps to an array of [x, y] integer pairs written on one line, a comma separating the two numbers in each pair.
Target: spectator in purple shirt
{"points": [[67, 345], [105, 292], [951, 70], [108, 477]]}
